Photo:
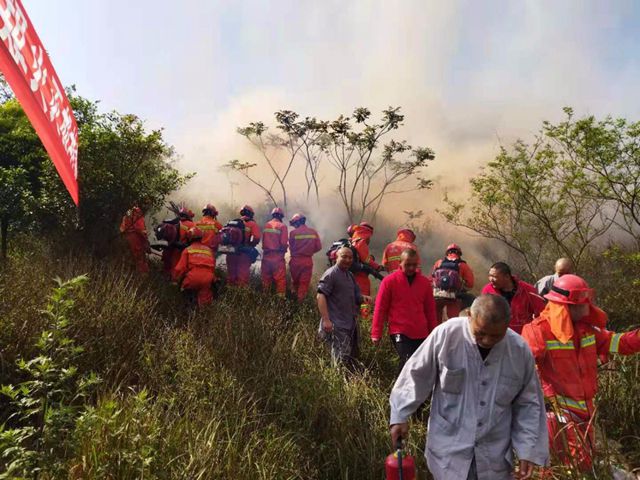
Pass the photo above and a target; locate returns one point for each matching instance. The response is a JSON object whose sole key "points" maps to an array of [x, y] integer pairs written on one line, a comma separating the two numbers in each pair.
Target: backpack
{"points": [[447, 276], [332, 253], [232, 233]]}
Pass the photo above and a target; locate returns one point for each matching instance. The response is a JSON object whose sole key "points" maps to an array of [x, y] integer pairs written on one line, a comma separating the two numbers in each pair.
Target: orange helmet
{"points": [[351, 229], [277, 212], [247, 211], [297, 219], [194, 233], [454, 247], [570, 289], [185, 213], [367, 226], [209, 209]]}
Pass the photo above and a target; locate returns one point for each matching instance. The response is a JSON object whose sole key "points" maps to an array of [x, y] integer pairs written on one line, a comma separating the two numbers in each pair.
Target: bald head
{"points": [[493, 309], [409, 262], [344, 258], [563, 266]]}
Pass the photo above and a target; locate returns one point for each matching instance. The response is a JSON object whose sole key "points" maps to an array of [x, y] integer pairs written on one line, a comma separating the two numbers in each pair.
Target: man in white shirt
{"points": [[486, 400]]}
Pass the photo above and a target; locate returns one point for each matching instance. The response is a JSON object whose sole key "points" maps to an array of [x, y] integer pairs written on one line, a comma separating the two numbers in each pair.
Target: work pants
{"points": [[274, 270], [138, 247], [238, 269], [345, 345], [199, 280], [405, 347], [449, 305], [571, 439], [301, 269]]}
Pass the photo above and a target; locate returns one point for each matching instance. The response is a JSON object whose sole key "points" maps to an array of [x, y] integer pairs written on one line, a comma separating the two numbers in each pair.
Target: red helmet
{"points": [[570, 289], [184, 212], [367, 225], [247, 210], [277, 212], [210, 210], [406, 232], [351, 229], [194, 233], [297, 219], [454, 247]]}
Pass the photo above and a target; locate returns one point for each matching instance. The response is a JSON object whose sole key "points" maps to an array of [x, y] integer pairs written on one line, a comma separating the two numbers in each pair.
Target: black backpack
{"points": [[447, 276], [332, 253], [233, 233]]}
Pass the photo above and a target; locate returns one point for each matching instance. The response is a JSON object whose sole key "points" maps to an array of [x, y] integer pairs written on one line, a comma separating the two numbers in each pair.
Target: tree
{"points": [[298, 140], [527, 200], [366, 174], [604, 156], [120, 164], [366, 178], [15, 200]]}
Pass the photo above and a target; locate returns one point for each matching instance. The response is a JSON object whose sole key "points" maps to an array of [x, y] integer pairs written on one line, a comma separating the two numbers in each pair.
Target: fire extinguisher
{"points": [[399, 466]]}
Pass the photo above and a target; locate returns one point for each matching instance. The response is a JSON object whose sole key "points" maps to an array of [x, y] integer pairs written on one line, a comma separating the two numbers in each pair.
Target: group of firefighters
{"points": [[565, 331]]}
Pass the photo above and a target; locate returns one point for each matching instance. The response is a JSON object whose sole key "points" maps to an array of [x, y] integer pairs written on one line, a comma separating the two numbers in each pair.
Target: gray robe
{"points": [[479, 408]]}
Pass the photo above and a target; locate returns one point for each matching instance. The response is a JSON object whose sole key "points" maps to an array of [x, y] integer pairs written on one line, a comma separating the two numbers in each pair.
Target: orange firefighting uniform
{"points": [[392, 252], [359, 242], [135, 231], [304, 242], [568, 373], [274, 246], [196, 270], [239, 264], [210, 228]]}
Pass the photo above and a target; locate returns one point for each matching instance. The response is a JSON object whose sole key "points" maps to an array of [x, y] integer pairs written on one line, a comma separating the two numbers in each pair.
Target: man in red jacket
{"points": [[304, 243], [274, 246], [566, 340], [523, 298], [405, 301], [392, 252]]}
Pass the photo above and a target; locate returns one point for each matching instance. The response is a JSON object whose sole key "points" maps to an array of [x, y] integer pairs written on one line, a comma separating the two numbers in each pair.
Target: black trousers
{"points": [[405, 347]]}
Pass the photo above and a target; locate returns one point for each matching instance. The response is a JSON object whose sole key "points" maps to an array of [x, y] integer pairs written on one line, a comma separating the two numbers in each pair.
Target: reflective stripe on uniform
{"points": [[183, 227], [614, 346], [571, 403], [588, 341], [270, 230], [201, 251], [556, 345], [302, 237], [394, 258], [206, 226]]}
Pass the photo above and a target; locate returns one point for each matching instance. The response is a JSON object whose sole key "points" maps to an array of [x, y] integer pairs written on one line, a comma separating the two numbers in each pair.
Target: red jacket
{"points": [[392, 252], [408, 309], [195, 258], [569, 372], [274, 237], [304, 242], [525, 304]]}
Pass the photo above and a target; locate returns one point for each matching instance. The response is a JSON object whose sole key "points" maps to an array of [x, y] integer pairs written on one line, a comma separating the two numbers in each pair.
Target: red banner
{"points": [[28, 70]]}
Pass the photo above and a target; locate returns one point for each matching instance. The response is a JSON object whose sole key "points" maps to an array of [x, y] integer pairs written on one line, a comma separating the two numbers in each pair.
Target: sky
{"points": [[469, 75]]}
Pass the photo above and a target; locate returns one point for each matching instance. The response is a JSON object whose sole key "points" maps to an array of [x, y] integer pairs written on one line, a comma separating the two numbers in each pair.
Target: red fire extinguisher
{"points": [[399, 466]]}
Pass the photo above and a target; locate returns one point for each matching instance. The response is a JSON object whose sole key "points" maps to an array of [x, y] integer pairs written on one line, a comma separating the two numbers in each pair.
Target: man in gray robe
{"points": [[486, 400]]}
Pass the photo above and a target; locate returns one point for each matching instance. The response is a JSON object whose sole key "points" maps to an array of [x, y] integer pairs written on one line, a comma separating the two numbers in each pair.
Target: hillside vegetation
{"points": [[125, 382]]}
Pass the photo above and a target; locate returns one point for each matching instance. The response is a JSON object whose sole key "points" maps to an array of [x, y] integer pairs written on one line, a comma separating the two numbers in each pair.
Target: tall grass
{"points": [[241, 389]]}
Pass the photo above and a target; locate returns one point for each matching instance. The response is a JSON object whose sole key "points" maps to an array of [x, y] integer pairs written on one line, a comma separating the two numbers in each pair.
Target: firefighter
{"points": [[360, 241], [196, 267], [391, 255], [460, 278], [304, 242], [135, 231], [186, 223], [210, 227], [275, 238], [567, 339], [239, 262]]}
